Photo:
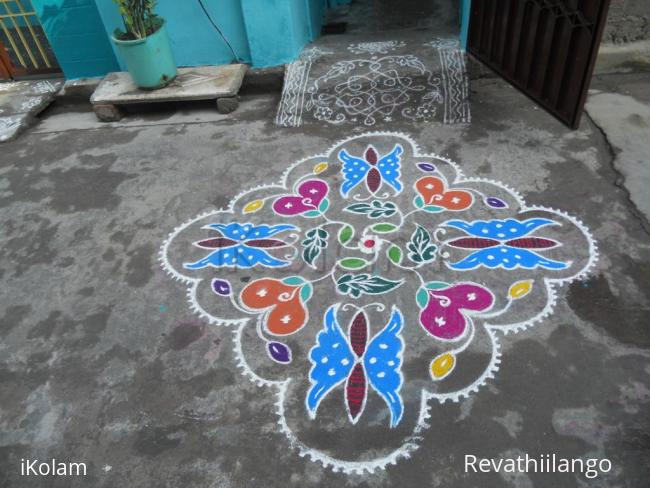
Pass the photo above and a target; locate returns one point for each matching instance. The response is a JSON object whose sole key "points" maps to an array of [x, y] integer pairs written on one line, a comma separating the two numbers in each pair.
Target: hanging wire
{"points": [[216, 27]]}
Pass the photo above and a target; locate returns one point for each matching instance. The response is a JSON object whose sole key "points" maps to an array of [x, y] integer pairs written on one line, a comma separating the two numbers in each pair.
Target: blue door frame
{"points": [[465, 7]]}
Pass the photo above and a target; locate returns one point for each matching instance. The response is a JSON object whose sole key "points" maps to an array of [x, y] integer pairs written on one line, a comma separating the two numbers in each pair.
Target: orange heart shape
{"points": [[286, 312], [433, 192]]}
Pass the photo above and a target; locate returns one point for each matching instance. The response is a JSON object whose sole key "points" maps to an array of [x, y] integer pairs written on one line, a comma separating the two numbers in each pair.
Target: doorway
{"points": [[24, 49], [440, 18], [545, 48], [381, 62]]}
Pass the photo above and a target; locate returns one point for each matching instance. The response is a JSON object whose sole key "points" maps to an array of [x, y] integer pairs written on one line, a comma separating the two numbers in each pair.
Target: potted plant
{"points": [[144, 44]]}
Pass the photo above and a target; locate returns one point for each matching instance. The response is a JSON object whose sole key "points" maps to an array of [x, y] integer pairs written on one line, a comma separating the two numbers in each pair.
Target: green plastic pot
{"points": [[150, 61]]}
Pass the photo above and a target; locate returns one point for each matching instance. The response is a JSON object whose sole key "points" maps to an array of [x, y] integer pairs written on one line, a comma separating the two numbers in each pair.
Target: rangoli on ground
{"points": [[373, 281], [371, 82]]}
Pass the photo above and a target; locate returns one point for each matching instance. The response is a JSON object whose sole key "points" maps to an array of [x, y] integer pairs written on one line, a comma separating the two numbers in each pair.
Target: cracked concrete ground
{"points": [[21, 101], [101, 360], [624, 121]]}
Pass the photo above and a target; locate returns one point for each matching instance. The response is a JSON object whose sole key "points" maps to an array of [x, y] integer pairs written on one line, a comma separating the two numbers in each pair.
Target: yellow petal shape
{"points": [[442, 365], [320, 167], [253, 206], [520, 289]]}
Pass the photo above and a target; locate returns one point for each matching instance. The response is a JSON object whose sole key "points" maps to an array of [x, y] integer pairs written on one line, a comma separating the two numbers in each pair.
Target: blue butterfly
{"points": [[336, 359], [500, 229], [504, 244], [373, 169], [242, 246]]}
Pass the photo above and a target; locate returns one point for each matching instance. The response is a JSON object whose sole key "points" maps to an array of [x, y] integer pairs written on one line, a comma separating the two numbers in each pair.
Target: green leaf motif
{"points": [[436, 285], [357, 285], [306, 292], [384, 228], [346, 234], [375, 210], [293, 280], [315, 242], [353, 263], [420, 247], [422, 297], [419, 203], [395, 254], [325, 204]]}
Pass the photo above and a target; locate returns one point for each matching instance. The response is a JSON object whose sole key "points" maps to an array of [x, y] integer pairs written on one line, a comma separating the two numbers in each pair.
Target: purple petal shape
{"points": [[427, 167], [495, 202], [279, 352], [221, 287]]}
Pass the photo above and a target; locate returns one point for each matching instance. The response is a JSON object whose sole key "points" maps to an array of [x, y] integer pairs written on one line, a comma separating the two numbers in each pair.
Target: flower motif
{"points": [[309, 200], [435, 197], [323, 113], [425, 111], [369, 244], [380, 47], [448, 310], [283, 304]]}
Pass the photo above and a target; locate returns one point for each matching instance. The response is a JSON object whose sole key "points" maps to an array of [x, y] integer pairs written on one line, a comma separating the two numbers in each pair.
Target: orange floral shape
{"points": [[285, 311], [433, 192]]}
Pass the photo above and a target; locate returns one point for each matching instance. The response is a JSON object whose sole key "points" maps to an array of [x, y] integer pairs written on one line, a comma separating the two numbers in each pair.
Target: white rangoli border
{"points": [[453, 75], [411, 443]]}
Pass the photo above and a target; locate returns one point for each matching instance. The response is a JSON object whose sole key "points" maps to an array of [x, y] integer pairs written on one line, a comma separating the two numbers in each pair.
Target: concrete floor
{"points": [[102, 362], [21, 101]]}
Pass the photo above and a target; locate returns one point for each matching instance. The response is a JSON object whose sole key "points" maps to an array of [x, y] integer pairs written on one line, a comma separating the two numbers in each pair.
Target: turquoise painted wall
{"points": [[465, 8], [300, 17], [276, 30], [76, 33], [262, 32]]}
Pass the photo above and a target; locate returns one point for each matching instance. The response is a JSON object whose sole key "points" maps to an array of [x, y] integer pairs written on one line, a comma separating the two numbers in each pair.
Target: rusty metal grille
{"points": [[546, 48], [26, 50]]}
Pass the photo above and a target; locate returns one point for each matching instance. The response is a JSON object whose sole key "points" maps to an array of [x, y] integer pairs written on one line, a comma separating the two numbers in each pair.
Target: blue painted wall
{"points": [[277, 30], [465, 7], [76, 33], [262, 32], [300, 16]]}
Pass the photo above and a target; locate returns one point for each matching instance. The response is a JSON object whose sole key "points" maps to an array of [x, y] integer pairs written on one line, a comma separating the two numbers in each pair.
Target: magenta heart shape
{"points": [[443, 316], [309, 196]]}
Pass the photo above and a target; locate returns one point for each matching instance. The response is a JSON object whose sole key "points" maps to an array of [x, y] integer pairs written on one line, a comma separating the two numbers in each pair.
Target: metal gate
{"points": [[546, 48], [24, 49]]}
